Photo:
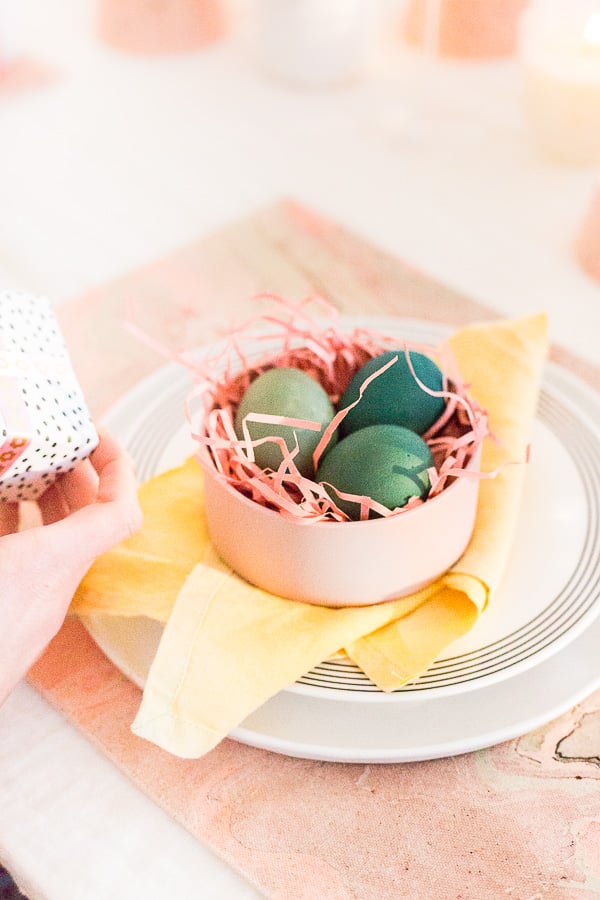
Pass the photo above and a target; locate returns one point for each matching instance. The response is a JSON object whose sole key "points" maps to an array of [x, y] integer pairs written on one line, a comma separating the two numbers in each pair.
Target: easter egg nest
{"points": [[309, 337]]}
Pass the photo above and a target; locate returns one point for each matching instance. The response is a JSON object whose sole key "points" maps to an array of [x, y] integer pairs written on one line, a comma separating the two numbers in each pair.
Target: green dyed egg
{"points": [[394, 397], [285, 392], [387, 463]]}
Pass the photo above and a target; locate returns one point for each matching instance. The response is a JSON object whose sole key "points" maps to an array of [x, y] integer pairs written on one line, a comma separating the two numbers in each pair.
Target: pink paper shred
{"points": [[306, 337]]}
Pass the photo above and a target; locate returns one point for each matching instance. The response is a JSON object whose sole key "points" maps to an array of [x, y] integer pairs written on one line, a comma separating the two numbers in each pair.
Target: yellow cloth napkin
{"points": [[229, 646]]}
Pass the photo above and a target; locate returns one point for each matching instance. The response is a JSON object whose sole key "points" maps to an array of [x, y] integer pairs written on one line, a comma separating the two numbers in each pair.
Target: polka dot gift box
{"points": [[45, 426]]}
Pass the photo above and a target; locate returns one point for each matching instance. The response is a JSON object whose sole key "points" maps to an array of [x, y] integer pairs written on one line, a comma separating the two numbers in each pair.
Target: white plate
{"points": [[549, 597], [550, 591], [317, 728]]}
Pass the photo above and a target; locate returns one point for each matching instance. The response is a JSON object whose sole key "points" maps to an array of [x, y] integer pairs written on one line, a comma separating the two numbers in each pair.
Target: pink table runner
{"points": [[519, 820]]}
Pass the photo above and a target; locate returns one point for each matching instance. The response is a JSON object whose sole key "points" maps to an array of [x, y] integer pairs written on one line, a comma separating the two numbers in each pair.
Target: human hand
{"points": [[84, 513]]}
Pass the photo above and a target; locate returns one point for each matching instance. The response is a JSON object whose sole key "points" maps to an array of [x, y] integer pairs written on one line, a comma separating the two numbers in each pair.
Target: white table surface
{"points": [[122, 159]]}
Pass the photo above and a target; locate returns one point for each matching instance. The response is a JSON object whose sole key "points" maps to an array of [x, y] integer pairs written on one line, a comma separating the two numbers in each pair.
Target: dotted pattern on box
{"points": [[62, 432]]}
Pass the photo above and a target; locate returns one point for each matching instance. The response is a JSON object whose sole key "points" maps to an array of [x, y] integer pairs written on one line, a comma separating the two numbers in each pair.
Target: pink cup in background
{"points": [[467, 29], [587, 245], [156, 27], [340, 563]]}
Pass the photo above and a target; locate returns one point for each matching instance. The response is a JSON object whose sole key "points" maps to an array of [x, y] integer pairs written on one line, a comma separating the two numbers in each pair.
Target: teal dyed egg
{"points": [[387, 463], [285, 392], [394, 397]]}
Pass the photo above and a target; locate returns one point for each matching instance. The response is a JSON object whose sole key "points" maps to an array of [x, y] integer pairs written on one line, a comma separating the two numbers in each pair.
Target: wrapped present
{"points": [[45, 425]]}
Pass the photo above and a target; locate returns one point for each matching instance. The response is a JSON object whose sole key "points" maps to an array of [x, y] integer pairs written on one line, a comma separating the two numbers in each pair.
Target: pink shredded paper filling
{"points": [[332, 356]]}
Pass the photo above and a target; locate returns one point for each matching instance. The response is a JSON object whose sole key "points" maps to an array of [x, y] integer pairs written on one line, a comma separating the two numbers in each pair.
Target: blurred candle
{"points": [[160, 26], [560, 51], [315, 42], [587, 245], [467, 29]]}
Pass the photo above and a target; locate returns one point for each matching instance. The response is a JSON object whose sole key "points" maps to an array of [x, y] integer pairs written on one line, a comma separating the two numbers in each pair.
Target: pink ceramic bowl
{"points": [[587, 247], [340, 563]]}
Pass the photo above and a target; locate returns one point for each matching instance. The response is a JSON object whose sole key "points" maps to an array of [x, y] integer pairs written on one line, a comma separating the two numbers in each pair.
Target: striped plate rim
{"points": [[565, 613]]}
